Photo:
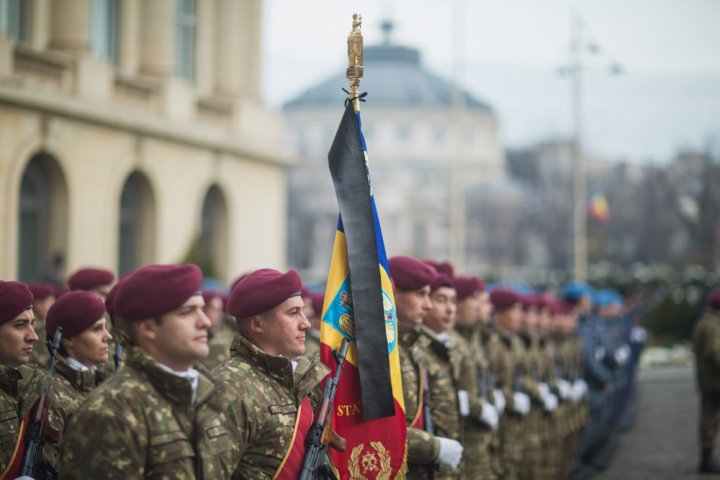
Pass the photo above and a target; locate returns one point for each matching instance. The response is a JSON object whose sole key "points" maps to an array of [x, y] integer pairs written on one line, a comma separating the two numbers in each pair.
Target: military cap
{"points": [[263, 290], [529, 301], [110, 299], [715, 300], [409, 273], [42, 290], [75, 312], [154, 290], [604, 298], [440, 280], [15, 298], [504, 298], [89, 278], [210, 294], [573, 291], [442, 267], [60, 291], [466, 285]]}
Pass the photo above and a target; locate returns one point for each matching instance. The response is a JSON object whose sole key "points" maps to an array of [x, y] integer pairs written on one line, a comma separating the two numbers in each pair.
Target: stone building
{"points": [[426, 141], [133, 132]]}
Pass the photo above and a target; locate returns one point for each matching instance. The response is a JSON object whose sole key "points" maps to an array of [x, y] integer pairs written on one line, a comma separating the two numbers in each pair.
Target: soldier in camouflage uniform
{"points": [[161, 415], [84, 346], [43, 298], [274, 388], [20, 385], [412, 279], [482, 423], [706, 345], [222, 331]]}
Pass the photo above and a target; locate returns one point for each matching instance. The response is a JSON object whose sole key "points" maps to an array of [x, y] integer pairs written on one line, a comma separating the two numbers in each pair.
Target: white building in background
{"points": [[133, 130], [416, 133]]}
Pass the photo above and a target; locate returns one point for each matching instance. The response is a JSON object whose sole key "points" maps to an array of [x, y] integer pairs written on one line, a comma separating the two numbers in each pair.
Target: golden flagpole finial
{"points": [[355, 57]]}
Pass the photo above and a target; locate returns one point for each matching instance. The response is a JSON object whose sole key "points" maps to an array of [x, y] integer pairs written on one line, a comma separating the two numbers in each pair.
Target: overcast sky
{"points": [[507, 52]]}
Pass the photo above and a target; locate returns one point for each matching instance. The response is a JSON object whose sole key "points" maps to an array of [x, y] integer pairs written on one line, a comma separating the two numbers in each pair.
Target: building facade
{"points": [[133, 132]]}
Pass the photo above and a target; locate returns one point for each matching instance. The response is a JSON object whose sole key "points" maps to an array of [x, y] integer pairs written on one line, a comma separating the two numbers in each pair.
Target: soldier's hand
{"points": [[463, 403], [550, 402], [564, 388], [500, 401], [450, 452], [489, 415], [521, 403]]}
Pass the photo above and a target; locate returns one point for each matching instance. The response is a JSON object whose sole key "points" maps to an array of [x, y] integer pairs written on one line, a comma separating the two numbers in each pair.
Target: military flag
{"points": [[359, 305]]}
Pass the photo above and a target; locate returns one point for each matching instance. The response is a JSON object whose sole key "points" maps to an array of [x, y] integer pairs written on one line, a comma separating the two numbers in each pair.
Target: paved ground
{"points": [[663, 442]]}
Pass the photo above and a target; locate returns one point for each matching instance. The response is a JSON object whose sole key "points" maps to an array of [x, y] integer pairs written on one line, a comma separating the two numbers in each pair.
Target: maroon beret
{"points": [[154, 290], [110, 299], [715, 300], [504, 298], [42, 290], [466, 285], [60, 291], [75, 312], [440, 280], [529, 301], [15, 298], [210, 294], [225, 297], [318, 301], [89, 278], [410, 274], [442, 267], [263, 290]]}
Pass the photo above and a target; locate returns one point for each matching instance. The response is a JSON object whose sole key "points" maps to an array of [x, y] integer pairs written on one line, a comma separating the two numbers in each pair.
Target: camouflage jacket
{"points": [[423, 447], [312, 343], [219, 342], [40, 355], [706, 344], [19, 390], [142, 423], [514, 369], [266, 395], [70, 388]]}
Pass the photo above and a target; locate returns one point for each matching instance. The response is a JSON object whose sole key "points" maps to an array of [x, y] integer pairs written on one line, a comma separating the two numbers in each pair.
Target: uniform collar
{"points": [[9, 379], [83, 380]]}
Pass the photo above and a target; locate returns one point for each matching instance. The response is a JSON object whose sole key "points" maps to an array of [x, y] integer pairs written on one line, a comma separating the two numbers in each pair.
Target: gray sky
{"points": [[510, 50]]}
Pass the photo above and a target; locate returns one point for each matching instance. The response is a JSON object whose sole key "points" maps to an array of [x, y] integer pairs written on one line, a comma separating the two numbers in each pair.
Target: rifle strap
{"points": [[14, 467], [293, 461]]}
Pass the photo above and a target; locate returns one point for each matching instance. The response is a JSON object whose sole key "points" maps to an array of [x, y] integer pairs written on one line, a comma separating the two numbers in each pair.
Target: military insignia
{"points": [[389, 310], [375, 462], [347, 324], [346, 300]]}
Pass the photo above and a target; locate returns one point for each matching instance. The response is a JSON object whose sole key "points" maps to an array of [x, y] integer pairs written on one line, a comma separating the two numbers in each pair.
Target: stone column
{"points": [[129, 36], [70, 25], [231, 53], [250, 83], [206, 45], [157, 47]]}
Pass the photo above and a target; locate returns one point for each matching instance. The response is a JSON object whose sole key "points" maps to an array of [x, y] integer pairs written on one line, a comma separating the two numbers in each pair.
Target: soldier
{"points": [[161, 415], [96, 280], [221, 333], [313, 311], [274, 388], [706, 345], [20, 385], [412, 279], [83, 347], [476, 378], [43, 298]]}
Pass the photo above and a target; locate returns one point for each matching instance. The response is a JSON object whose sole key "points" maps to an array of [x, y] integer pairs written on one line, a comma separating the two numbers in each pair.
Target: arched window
{"points": [[42, 232], [137, 224], [214, 232]]}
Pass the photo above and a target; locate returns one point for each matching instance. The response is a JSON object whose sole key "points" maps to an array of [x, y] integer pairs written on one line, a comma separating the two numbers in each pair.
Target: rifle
{"points": [[321, 433], [117, 355], [34, 464]]}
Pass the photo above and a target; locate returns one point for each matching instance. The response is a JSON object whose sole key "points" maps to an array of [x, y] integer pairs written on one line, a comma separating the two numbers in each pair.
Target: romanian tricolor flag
{"points": [[359, 304], [598, 207]]}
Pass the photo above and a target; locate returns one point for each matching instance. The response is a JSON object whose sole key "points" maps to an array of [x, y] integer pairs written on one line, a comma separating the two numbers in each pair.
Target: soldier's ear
{"points": [[256, 323], [147, 329]]}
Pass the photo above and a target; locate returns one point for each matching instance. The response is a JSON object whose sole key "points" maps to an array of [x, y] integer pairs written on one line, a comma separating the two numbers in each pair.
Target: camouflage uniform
{"points": [[312, 343], [144, 423], [19, 390], [474, 379], [444, 362], [491, 347], [40, 355], [706, 344], [266, 397], [423, 447], [70, 388], [220, 341]]}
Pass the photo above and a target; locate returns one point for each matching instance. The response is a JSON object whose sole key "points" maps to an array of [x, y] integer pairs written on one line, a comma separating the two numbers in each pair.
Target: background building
{"points": [[133, 132], [425, 141]]}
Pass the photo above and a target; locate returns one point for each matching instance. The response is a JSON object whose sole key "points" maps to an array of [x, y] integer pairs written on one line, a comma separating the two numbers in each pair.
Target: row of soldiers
{"points": [[496, 385]]}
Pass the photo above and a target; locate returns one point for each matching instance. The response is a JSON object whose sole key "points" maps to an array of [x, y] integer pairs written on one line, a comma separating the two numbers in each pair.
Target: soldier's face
{"points": [[180, 338], [41, 307], [90, 347], [413, 305], [468, 310], [16, 339], [486, 308], [214, 310], [441, 316], [284, 328]]}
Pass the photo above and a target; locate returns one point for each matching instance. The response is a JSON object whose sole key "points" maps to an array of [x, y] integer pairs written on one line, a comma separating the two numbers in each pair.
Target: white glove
{"points": [[489, 415], [521, 403], [463, 403], [622, 354], [579, 390], [564, 388], [638, 334], [550, 402], [450, 452], [544, 389], [500, 401]]}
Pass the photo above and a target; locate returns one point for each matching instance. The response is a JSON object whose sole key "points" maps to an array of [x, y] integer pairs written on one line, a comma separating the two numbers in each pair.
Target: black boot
{"points": [[708, 463]]}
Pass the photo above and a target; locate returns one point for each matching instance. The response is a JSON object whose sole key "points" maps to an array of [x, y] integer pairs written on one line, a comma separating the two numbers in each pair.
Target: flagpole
{"points": [[355, 60]]}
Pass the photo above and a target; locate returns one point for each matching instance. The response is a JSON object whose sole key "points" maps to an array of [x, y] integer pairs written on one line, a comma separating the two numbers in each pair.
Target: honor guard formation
{"points": [[153, 377]]}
